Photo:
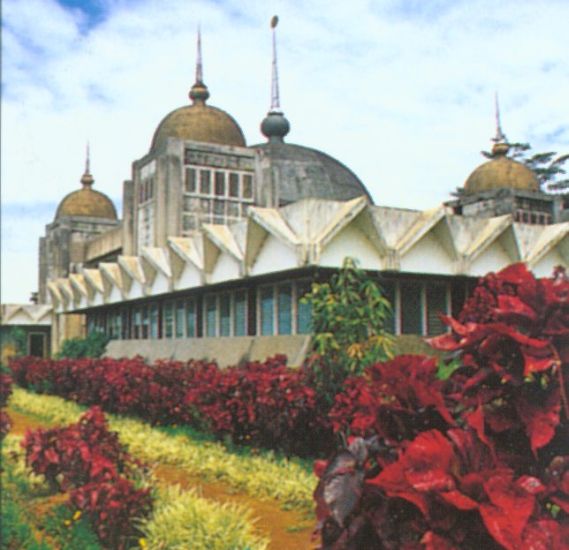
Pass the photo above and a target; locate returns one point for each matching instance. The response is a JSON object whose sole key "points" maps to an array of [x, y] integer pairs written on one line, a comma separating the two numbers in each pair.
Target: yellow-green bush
{"points": [[183, 520], [259, 476]]}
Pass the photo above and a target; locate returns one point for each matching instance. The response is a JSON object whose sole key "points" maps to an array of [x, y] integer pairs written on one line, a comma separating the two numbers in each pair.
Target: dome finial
{"points": [[87, 179], [501, 146], [199, 92], [275, 126]]}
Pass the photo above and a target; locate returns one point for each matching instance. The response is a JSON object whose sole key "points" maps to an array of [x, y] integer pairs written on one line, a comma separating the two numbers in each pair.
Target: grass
{"points": [[184, 520], [266, 476]]}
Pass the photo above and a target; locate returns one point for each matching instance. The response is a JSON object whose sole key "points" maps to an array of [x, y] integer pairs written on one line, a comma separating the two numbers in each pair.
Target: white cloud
{"points": [[401, 92]]}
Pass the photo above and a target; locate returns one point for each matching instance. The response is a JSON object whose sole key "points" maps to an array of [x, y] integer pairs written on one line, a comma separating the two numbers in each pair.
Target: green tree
{"points": [[76, 348], [349, 314]]}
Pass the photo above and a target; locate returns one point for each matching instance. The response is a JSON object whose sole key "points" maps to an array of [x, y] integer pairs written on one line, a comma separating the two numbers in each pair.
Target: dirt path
{"points": [[287, 529]]}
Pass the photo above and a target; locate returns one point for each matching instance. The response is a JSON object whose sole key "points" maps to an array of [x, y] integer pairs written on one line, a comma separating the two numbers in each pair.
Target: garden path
{"points": [[287, 529]]}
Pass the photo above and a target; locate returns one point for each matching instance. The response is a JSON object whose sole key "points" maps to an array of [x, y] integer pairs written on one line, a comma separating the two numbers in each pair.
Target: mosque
{"points": [[219, 240]]}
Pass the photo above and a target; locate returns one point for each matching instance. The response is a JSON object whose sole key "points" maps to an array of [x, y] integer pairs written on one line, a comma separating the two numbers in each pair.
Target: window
{"points": [[205, 182], [191, 180], [168, 320], [267, 311], [211, 315], [233, 185], [137, 323], [436, 304], [180, 321], [154, 321], [411, 310], [191, 318], [220, 184], [225, 315], [285, 309], [247, 187], [303, 310], [145, 323], [240, 313]]}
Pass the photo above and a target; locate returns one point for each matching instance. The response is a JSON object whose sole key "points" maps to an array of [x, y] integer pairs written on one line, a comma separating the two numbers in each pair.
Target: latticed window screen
{"points": [[285, 309], [437, 303], [411, 308], [225, 315], [267, 311], [154, 321], [211, 315], [191, 318], [180, 321], [240, 314], [168, 320]]}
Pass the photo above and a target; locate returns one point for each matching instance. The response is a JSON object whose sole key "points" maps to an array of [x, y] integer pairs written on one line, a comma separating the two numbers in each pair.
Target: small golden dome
{"points": [[501, 173], [86, 202], [199, 122]]}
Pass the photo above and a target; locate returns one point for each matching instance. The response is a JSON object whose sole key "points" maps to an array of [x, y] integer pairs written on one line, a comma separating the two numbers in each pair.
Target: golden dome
{"points": [[501, 173], [86, 202], [199, 122]]}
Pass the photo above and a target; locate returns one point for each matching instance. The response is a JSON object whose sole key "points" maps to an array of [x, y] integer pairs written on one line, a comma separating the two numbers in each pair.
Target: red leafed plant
{"points": [[113, 508], [5, 392], [478, 460], [74, 455]]}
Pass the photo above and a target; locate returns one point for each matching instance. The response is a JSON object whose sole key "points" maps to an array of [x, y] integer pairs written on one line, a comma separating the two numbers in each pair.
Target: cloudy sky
{"points": [[402, 91]]}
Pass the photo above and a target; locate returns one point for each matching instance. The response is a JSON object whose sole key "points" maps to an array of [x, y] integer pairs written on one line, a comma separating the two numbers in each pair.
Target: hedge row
{"points": [[263, 404]]}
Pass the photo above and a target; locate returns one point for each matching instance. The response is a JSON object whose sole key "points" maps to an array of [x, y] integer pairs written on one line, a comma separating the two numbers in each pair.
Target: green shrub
{"points": [[76, 348]]}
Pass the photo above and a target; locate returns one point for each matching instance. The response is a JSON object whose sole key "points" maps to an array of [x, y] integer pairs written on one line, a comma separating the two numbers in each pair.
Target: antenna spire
{"points": [[199, 92], [501, 146], [275, 126], [87, 179], [87, 159], [199, 63], [500, 136], [275, 99]]}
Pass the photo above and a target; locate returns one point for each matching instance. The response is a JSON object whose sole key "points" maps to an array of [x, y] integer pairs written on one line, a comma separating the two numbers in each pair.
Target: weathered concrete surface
{"points": [[226, 351]]}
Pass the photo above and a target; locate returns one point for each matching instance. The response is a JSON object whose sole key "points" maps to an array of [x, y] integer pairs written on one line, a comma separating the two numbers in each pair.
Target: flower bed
{"points": [[472, 453], [263, 476], [262, 404]]}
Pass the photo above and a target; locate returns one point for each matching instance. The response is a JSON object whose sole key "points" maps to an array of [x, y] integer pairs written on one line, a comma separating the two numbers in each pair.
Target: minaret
{"points": [[199, 92], [275, 126], [87, 179], [501, 146]]}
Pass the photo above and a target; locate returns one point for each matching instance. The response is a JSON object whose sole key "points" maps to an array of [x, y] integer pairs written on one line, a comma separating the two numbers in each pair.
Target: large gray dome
{"points": [[301, 172]]}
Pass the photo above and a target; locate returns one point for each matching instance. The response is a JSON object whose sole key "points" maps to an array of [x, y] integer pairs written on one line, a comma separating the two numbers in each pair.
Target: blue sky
{"points": [[402, 92]]}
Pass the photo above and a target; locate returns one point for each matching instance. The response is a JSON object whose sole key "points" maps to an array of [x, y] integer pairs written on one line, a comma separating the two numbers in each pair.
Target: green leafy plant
{"points": [[76, 348], [349, 315]]}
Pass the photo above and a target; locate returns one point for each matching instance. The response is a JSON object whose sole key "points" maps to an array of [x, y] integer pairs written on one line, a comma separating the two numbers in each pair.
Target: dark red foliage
{"points": [[480, 460], [113, 508], [77, 454], [5, 392], [264, 404], [394, 400], [88, 460]]}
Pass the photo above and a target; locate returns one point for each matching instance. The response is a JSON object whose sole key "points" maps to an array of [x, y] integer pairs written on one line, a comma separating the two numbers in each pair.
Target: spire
{"points": [[501, 146], [199, 92], [275, 126], [87, 179], [275, 100], [199, 63]]}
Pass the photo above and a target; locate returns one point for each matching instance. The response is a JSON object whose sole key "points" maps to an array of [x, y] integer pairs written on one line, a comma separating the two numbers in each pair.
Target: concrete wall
{"points": [[226, 351], [104, 244]]}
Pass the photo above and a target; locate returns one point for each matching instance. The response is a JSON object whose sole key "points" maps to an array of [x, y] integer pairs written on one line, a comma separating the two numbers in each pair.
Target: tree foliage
{"points": [[349, 315], [76, 348]]}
